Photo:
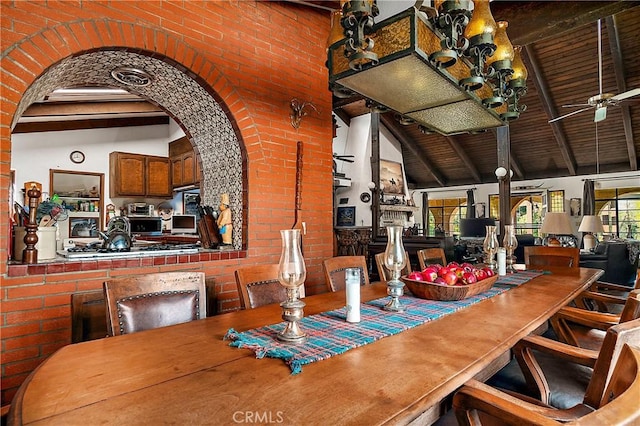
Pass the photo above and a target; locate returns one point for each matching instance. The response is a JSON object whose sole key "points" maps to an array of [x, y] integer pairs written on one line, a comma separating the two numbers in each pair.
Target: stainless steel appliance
{"points": [[140, 209], [92, 251], [145, 225]]}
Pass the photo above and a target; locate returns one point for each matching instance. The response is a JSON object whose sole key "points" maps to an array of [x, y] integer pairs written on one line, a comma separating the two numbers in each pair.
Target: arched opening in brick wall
{"points": [[189, 101]]}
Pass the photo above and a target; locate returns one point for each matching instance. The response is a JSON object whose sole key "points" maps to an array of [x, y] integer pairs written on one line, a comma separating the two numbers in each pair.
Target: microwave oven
{"points": [[140, 209], [140, 225]]}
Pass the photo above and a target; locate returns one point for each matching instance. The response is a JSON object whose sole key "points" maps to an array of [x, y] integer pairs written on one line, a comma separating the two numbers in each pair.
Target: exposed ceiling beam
{"points": [[343, 116], [59, 126], [531, 21], [389, 123], [618, 67], [550, 109], [453, 142], [71, 109]]}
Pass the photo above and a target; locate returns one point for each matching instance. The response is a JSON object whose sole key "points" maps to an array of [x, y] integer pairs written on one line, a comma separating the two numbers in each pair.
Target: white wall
{"points": [[356, 140]]}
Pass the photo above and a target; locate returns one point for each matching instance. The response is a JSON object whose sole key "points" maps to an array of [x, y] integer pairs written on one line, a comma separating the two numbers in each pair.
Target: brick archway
{"points": [[188, 87]]}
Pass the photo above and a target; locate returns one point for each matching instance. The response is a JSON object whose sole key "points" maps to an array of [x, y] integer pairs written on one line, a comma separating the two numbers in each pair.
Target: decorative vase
{"points": [[291, 274], [490, 247], [394, 260], [510, 243]]}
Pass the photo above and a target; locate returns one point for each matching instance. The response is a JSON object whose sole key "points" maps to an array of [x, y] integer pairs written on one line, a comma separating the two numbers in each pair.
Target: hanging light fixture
{"points": [[435, 70], [516, 86]]}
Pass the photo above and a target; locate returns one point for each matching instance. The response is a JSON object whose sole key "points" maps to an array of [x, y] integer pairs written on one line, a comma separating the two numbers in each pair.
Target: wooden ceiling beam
{"points": [[389, 123], [621, 80], [453, 142], [531, 21], [549, 108]]}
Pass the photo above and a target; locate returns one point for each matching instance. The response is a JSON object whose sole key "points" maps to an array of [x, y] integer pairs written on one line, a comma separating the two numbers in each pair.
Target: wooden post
{"points": [[375, 175], [30, 253], [504, 184]]}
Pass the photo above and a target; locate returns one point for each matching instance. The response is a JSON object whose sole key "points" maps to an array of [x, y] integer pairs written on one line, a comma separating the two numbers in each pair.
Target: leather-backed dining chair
{"points": [[258, 285], [334, 268], [150, 301], [585, 328], [544, 256], [88, 316], [430, 256], [384, 273], [611, 396]]}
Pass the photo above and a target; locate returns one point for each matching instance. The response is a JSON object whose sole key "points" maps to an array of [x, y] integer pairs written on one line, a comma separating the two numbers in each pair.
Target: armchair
{"points": [[614, 258], [611, 396]]}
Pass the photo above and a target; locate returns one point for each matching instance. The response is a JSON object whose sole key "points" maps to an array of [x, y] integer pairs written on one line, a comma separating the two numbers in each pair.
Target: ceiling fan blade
{"points": [[625, 95], [569, 115], [575, 105]]}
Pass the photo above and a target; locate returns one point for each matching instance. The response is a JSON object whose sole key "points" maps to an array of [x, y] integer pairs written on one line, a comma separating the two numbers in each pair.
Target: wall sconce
{"points": [[298, 111], [501, 173]]}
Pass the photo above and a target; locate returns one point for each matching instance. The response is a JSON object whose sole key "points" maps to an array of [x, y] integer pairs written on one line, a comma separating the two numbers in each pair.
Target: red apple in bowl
{"points": [[416, 276], [450, 278], [469, 278], [429, 274]]}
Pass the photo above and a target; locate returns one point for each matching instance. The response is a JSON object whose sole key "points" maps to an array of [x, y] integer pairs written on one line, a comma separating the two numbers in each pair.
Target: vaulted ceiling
{"points": [[561, 55]]}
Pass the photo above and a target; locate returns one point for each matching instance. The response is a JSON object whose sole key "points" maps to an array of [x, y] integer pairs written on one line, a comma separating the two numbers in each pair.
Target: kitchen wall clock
{"points": [[77, 157]]}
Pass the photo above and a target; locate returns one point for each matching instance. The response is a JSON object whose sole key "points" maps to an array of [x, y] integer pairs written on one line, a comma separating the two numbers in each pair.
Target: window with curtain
{"points": [[619, 210]]}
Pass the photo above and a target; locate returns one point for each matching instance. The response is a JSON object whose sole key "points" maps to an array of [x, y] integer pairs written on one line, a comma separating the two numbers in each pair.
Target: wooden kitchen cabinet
{"points": [[185, 169], [137, 175]]}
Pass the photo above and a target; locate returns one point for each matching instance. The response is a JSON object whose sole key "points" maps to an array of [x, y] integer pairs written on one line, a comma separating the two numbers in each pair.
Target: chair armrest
{"points": [[531, 370], [601, 285], [476, 397], [598, 320], [586, 298]]}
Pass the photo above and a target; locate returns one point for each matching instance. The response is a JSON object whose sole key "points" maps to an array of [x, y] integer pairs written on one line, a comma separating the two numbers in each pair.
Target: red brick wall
{"points": [[256, 56]]}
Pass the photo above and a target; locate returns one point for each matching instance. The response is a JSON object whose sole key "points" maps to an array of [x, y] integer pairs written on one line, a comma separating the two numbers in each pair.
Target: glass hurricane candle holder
{"points": [[490, 247], [394, 260], [510, 243], [291, 274]]}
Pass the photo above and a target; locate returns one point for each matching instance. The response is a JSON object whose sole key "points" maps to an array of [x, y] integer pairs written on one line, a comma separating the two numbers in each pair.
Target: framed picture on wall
{"points": [[346, 216], [391, 177]]}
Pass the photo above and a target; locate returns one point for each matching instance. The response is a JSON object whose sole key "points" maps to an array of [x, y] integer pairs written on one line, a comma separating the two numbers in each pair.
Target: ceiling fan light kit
{"points": [[440, 68]]}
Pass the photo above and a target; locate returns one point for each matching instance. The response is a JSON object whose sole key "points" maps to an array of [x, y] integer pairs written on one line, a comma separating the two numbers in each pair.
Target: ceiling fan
{"points": [[601, 101]]}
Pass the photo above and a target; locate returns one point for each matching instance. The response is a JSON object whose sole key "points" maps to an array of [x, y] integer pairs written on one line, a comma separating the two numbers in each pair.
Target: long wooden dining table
{"points": [[188, 375]]}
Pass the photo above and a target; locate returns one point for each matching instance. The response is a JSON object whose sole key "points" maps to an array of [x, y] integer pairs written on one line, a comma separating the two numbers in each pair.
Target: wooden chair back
{"points": [[543, 256], [617, 336], [258, 285], [384, 273], [88, 316], [155, 300], [334, 271], [430, 256]]}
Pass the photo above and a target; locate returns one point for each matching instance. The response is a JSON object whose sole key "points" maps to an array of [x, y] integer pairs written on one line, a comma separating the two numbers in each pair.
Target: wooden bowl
{"points": [[434, 291]]}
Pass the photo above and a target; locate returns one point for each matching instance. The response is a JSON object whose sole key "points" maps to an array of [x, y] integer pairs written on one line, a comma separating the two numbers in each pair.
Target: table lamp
{"points": [[591, 225], [556, 223]]}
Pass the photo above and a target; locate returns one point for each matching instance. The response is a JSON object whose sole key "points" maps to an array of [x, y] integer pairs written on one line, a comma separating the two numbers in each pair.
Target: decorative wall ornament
{"points": [[299, 110]]}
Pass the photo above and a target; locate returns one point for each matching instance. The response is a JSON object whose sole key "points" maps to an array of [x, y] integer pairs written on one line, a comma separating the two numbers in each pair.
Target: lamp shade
{"points": [[591, 224], [504, 49], [482, 22], [556, 223], [519, 69]]}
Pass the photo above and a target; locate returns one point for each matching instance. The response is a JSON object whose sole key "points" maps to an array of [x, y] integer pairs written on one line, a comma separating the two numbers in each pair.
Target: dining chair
{"points": [[150, 301], [384, 273], [611, 396], [88, 316], [258, 285], [430, 256], [585, 328], [334, 270], [543, 256]]}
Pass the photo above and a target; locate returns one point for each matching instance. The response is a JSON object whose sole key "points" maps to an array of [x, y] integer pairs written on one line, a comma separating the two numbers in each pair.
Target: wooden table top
{"points": [[186, 374]]}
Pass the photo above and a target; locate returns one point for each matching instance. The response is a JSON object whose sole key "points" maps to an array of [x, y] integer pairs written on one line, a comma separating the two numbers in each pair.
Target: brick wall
{"points": [[256, 57]]}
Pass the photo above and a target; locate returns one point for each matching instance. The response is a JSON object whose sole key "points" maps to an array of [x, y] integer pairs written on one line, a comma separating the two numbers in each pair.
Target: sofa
{"points": [[618, 259]]}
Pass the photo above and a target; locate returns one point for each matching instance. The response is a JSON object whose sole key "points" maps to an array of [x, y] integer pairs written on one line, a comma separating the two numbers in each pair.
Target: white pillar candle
{"points": [[502, 261], [352, 286]]}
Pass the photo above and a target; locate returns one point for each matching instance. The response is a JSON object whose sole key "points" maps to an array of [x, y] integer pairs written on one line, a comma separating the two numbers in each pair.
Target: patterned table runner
{"points": [[329, 334]]}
